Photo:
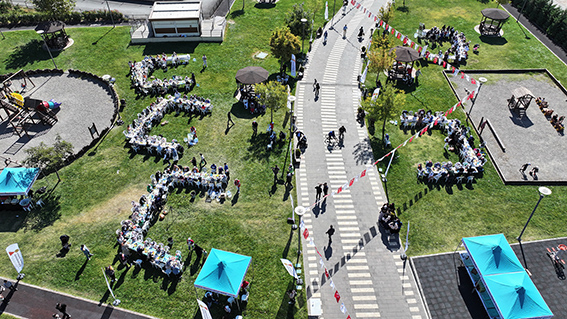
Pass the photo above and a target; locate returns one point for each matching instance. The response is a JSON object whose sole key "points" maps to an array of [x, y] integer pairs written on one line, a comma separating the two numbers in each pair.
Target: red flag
{"points": [[447, 113], [375, 18], [419, 49], [423, 131], [369, 14], [462, 75], [351, 182], [358, 5], [363, 173], [435, 60], [393, 31], [471, 95], [411, 138], [473, 81], [427, 54], [340, 189], [453, 68], [352, 2], [444, 64], [381, 23], [305, 233], [348, 317], [327, 273], [377, 161], [412, 44], [389, 153], [450, 110], [436, 121], [364, 10], [399, 35], [317, 250], [405, 40], [337, 296], [386, 27], [459, 104]]}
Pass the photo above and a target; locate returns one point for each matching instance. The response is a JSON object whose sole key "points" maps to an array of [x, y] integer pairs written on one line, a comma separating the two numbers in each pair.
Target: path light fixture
{"points": [[543, 191]]}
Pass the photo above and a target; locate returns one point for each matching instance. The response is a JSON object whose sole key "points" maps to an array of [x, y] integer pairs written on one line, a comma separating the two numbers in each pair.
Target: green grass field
{"points": [[95, 192], [440, 216]]}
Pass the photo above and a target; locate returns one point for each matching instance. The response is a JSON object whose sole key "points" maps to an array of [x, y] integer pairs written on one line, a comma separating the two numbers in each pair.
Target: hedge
{"points": [[13, 19], [547, 16]]}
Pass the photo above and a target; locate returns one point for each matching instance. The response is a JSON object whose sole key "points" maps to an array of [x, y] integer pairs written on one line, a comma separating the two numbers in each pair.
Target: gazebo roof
{"points": [[406, 54], [50, 26], [495, 14]]}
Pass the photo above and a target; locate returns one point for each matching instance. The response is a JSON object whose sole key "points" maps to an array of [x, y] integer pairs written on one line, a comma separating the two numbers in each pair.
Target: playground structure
{"points": [[22, 112], [520, 100]]}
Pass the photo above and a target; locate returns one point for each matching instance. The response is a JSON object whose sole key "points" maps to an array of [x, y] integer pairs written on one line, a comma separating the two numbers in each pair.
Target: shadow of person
{"points": [[235, 199], [316, 210], [80, 272], [104, 298], [120, 280], [328, 250]]}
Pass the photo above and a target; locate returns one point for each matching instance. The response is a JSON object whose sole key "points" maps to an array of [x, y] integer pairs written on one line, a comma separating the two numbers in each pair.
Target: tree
{"points": [[284, 44], [501, 2], [386, 13], [273, 95], [381, 56], [55, 8], [385, 107], [49, 158], [294, 23]]}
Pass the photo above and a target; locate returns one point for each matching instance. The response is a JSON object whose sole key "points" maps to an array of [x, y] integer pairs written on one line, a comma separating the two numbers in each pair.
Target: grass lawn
{"points": [[95, 192], [440, 216]]}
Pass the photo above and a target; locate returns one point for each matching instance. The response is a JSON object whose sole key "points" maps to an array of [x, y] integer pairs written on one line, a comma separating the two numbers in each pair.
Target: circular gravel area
{"points": [[84, 100]]}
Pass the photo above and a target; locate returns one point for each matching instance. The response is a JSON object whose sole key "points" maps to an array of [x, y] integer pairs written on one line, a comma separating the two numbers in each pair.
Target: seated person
{"points": [[554, 119]]}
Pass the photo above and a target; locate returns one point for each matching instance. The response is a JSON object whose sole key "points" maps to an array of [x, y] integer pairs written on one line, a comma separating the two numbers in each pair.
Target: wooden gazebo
{"points": [[404, 56], [520, 100], [54, 32], [492, 21]]}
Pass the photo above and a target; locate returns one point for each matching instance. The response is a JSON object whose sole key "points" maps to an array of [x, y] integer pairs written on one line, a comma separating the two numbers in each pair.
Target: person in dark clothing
{"points": [[330, 232], [276, 170], [318, 190]]}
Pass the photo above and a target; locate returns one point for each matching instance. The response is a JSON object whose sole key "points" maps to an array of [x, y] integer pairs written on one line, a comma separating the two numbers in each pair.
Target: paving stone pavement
{"points": [[363, 261]]}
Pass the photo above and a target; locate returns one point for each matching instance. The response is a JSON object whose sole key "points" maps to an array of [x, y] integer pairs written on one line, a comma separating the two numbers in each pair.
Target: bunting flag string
{"points": [[405, 39]]}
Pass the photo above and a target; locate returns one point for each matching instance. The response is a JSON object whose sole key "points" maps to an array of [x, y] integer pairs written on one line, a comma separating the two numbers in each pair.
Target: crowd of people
{"points": [[459, 44], [388, 218], [137, 132], [459, 139], [555, 120], [250, 99], [144, 83]]}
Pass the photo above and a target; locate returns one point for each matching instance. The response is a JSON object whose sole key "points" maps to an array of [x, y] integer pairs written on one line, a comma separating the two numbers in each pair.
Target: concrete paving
{"points": [[363, 260], [450, 293], [35, 302]]}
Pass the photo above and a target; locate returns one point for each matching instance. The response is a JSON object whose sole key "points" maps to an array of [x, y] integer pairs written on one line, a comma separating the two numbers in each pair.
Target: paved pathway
{"points": [[36, 302], [364, 262]]}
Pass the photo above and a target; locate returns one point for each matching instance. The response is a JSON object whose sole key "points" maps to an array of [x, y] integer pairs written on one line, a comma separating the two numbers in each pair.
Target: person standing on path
{"points": [[330, 232], [204, 61], [533, 172], [109, 271], [524, 168], [229, 120], [86, 251], [254, 128], [325, 35], [318, 191], [9, 285], [325, 189], [344, 31], [317, 88]]}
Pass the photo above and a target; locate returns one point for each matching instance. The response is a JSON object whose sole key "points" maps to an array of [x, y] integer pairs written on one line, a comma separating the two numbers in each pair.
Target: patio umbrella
{"points": [[406, 54], [252, 75]]}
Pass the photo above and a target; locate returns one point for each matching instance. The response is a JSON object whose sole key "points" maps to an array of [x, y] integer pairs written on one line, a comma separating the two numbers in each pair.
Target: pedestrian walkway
{"points": [[363, 261], [33, 302]]}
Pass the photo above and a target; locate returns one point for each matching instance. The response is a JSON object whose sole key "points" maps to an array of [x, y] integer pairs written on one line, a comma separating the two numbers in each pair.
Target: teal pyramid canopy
{"points": [[492, 254], [223, 272], [517, 296], [17, 181]]}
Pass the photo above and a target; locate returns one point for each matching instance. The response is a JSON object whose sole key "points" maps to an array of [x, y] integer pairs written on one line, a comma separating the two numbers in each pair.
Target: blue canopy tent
{"points": [[223, 272], [17, 181], [504, 287], [516, 296], [492, 254]]}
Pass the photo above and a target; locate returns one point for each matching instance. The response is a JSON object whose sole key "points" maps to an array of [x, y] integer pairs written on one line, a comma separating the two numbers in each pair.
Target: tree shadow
{"points": [[404, 9], [264, 5], [41, 217], [236, 13], [28, 53]]}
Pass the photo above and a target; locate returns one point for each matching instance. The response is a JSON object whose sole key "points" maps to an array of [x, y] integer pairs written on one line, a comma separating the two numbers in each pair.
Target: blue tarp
{"points": [[510, 288], [17, 181], [492, 254], [223, 272], [517, 296]]}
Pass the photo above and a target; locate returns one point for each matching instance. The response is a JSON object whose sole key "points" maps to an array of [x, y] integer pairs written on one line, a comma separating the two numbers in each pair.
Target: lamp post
{"points": [[333, 17], [111, 17], [543, 191], [303, 21], [40, 32]]}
